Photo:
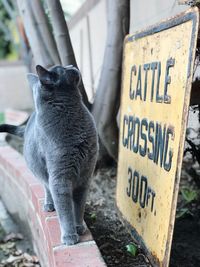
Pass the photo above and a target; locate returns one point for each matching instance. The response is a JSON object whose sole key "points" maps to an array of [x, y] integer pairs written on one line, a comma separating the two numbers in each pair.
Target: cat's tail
{"points": [[12, 129]]}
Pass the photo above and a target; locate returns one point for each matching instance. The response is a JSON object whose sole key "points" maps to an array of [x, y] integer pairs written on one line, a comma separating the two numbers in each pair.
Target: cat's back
{"points": [[71, 130], [83, 124], [87, 136], [30, 142], [30, 125]]}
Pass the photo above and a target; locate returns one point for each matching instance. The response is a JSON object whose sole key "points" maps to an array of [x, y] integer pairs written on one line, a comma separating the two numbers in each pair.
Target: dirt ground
{"points": [[112, 237], [107, 230], [186, 239]]}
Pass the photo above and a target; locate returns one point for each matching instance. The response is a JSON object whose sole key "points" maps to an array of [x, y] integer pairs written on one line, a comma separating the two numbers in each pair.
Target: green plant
{"points": [[93, 216], [189, 195], [132, 249], [182, 212]]}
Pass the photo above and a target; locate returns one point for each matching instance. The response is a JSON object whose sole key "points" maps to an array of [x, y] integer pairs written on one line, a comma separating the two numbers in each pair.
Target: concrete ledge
{"points": [[23, 196]]}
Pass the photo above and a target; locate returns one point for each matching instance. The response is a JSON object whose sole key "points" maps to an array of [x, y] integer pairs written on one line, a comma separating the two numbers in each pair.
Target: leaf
{"points": [[28, 264], [13, 236], [99, 202], [13, 259], [7, 247], [17, 252], [182, 212], [28, 257], [132, 249], [10, 245], [35, 259], [189, 195], [93, 216]]}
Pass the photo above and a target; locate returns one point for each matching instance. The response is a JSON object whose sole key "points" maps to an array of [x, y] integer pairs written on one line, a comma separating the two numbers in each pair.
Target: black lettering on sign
{"points": [[128, 189], [149, 139], [168, 151], [143, 191], [135, 188], [136, 134], [146, 68], [139, 80], [139, 190], [160, 143], [125, 140], [143, 129], [153, 197], [170, 63], [130, 132], [139, 85], [159, 98], [148, 196], [133, 72], [153, 68]]}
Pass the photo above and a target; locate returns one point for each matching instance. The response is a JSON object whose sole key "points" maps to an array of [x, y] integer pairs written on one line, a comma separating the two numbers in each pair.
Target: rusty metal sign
{"points": [[157, 76]]}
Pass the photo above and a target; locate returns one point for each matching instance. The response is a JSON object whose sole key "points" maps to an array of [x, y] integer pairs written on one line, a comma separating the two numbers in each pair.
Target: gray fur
{"points": [[61, 146]]}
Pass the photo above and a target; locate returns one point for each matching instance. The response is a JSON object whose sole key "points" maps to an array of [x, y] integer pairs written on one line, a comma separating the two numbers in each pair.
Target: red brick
{"points": [[14, 164], [15, 117], [27, 179], [24, 170], [43, 217], [38, 234], [44, 225], [7, 151], [13, 185], [81, 255], [18, 170], [4, 180], [53, 231], [86, 237], [41, 240], [8, 155], [2, 171], [17, 178], [37, 193], [43, 214], [4, 174], [50, 255]]}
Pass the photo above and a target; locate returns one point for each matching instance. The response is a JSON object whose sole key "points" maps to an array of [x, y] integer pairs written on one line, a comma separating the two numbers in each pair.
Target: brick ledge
{"points": [[23, 196]]}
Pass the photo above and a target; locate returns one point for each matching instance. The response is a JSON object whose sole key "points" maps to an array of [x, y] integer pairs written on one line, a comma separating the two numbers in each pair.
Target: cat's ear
{"points": [[45, 76], [32, 79], [73, 75]]}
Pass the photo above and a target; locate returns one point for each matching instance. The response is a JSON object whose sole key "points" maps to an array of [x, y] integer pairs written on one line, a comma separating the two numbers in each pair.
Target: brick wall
{"points": [[23, 196]]}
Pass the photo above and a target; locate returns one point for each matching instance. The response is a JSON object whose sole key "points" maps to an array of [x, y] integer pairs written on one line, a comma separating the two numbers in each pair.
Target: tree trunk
{"points": [[38, 48], [63, 40], [45, 31], [61, 33], [107, 98]]}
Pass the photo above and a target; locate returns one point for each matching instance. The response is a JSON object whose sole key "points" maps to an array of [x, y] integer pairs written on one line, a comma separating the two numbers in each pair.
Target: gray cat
{"points": [[60, 145]]}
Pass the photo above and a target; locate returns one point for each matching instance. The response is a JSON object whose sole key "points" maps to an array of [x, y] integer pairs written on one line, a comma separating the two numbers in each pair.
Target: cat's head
{"points": [[56, 76], [53, 83]]}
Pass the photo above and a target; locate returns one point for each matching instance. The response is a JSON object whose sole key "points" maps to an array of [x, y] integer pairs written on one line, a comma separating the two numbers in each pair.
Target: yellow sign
{"points": [[157, 76]]}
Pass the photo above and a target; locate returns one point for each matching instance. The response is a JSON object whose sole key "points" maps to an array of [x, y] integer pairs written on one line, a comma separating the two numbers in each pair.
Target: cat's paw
{"points": [[70, 239], [48, 207], [81, 229]]}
